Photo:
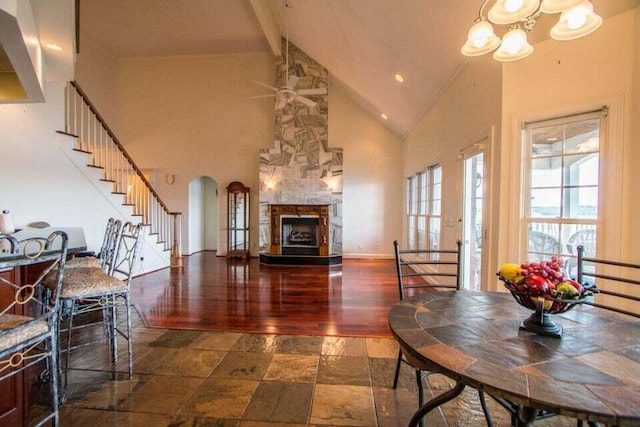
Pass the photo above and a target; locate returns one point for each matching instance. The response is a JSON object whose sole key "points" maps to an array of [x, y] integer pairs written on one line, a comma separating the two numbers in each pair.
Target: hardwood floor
{"points": [[210, 294]]}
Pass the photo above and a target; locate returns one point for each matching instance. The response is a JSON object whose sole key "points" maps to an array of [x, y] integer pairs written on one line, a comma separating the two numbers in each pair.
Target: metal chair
{"points": [[422, 270], [92, 290], [617, 274], [29, 319], [102, 259]]}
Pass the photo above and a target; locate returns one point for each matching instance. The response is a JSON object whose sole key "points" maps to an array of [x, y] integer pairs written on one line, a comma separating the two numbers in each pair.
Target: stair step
{"points": [[136, 214], [95, 166], [82, 151], [118, 192], [61, 132], [106, 180], [128, 204]]}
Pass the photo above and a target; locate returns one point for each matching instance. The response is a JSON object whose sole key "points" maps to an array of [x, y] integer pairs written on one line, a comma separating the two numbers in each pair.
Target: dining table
{"points": [[591, 373]]}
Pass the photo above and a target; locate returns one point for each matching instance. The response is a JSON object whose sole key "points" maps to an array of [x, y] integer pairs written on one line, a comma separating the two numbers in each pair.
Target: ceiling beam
{"points": [[269, 25]]}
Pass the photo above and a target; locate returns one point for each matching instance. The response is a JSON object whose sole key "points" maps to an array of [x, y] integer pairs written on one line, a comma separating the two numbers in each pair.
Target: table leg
{"points": [[435, 402]]}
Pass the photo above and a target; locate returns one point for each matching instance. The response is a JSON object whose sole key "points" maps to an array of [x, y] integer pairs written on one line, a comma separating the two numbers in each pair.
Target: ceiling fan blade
{"points": [[265, 85], [263, 96], [280, 104], [314, 91], [305, 101], [293, 81]]}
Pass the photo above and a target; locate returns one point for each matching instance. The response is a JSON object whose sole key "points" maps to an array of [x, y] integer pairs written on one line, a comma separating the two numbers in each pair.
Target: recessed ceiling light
{"points": [[553, 139], [384, 116], [53, 46], [399, 78]]}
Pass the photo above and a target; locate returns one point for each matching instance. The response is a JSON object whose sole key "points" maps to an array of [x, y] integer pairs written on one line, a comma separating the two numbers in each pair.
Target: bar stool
{"points": [[87, 290], [29, 318], [106, 249]]}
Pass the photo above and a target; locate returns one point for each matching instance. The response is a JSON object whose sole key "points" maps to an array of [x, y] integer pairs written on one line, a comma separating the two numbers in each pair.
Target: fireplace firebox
{"points": [[300, 235]]}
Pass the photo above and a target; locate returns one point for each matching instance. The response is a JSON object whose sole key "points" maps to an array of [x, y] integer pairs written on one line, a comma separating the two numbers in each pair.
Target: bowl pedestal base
{"points": [[541, 323]]}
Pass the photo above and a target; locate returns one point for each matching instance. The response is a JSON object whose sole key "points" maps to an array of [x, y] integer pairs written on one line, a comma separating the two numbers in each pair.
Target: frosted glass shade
{"points": [[576, 22], [557, 6], [514, 46], [508, 11], [480, 40]]}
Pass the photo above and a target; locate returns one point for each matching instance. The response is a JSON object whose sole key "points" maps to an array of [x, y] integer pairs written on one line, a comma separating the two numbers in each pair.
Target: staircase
{"points": [[94, 137]]}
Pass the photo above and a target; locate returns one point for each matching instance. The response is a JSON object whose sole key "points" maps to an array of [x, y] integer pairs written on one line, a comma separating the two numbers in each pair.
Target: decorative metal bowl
{"points": [[540, 320]]}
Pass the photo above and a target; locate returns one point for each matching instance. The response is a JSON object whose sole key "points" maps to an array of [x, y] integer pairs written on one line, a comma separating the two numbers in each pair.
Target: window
{"points": [[424, 209], [561, 187], [412, 210]]}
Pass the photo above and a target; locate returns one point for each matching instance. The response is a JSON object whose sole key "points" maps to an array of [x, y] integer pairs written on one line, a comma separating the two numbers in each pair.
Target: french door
{"points": [[472, 218]]}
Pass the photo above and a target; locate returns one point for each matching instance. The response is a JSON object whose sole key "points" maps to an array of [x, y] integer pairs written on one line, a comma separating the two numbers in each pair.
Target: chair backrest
{"points": [[40, 302], [126, 250], [109, 241], [619, 284], [420, 269]]}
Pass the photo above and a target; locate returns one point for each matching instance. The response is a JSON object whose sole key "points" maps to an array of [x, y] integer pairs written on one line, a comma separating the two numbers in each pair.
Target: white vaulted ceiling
{"points": [[362, 43]]}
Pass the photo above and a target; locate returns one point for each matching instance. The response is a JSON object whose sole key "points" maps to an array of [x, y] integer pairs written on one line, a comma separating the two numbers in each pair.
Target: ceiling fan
{"points": [[288, 93]]}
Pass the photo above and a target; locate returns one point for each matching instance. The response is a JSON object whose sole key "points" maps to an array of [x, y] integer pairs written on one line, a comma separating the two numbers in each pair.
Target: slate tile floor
{"points": [[185, 378]]}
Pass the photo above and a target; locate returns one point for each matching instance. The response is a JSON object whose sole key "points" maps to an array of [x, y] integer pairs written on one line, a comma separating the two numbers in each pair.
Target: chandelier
{"points": [[577, 19]]}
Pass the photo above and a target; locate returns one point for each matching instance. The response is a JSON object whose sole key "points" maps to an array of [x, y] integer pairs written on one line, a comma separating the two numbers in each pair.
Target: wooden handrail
{"points": [[106, 127]]}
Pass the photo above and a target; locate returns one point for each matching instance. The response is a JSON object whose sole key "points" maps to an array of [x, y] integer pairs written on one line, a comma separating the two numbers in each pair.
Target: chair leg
{"points": [[68, 355], [395, 379], [53, 375], [113, 334], [420, 392], [485, 408], [129, 336]]}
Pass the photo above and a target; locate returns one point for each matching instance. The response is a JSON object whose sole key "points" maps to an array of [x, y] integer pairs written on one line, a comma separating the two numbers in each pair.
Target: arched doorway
{"points": [[203, 215]]}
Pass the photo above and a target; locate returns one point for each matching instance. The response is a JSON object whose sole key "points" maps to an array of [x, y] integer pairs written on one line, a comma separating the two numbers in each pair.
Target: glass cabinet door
{"points": [[238, 220]]}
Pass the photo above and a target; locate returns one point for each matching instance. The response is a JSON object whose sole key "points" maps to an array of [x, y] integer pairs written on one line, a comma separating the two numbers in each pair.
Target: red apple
{"points": [[537, 285]]}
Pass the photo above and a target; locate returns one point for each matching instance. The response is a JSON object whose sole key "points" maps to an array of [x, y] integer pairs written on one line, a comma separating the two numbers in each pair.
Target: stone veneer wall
{"points": [[302, 168]]}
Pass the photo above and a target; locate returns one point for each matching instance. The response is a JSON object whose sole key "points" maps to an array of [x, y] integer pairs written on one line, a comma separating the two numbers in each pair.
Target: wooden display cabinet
{"points": [[238, 220]]}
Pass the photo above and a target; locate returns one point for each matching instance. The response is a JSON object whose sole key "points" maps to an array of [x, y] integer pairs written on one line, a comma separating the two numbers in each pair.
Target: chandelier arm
{"points": [[482, 6]]}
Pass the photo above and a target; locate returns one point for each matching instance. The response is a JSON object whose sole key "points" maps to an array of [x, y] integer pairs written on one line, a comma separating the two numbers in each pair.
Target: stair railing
{"points": [[94, 137]]}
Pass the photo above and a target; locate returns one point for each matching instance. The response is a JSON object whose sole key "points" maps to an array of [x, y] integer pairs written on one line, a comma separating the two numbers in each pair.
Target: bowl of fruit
{"points": [[543, 287]]}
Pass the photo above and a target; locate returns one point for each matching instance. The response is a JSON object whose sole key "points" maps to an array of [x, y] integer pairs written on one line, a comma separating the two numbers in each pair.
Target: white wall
{"points": [[569, 77], [203, 215], [96, 72], [42, 179], [464, 114], [196, 217], [211, 217], [372, 181], [192, 117]]}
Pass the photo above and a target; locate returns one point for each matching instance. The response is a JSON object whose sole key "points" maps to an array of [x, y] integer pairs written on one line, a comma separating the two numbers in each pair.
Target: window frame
{"points": [[528, 222]]}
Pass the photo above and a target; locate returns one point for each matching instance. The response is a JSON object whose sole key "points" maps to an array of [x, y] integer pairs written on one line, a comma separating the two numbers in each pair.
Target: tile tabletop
{"points": [[592, 372]]}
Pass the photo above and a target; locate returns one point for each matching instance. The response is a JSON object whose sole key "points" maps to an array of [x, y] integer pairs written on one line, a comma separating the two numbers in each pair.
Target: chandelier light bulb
{"points": [[513, 5], [576, 22], [481, 39], [505, 12], [514, 46]]}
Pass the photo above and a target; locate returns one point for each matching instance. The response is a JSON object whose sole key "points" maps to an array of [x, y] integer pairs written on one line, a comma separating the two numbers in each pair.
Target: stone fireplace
{"points": [[301, 174]]}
